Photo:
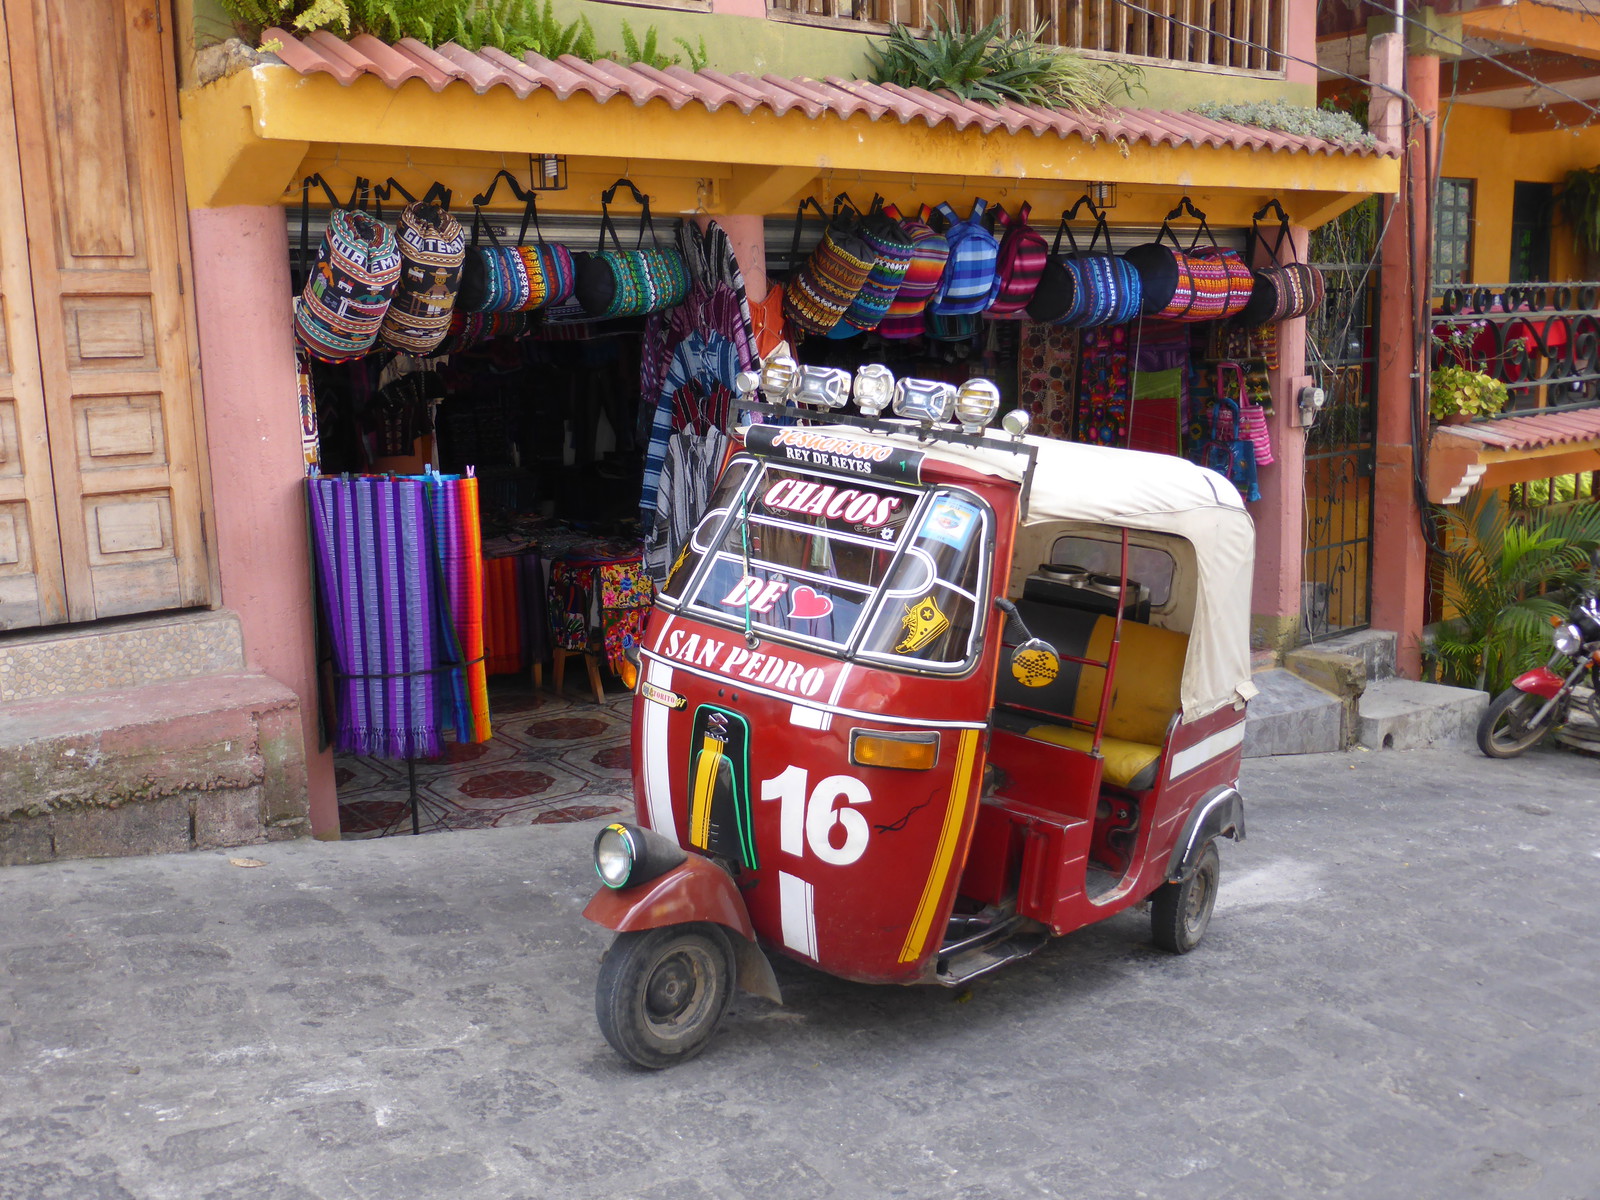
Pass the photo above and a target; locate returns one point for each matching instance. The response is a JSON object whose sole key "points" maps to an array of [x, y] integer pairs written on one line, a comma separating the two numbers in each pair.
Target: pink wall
{"points": [[740, 8], [242, 294], [1301, 41], [1280, 517]]}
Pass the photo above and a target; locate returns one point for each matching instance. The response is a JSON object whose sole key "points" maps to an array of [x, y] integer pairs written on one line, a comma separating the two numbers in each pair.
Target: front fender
{"points": [[1541, 681], [694, 890], [1220, 813]]}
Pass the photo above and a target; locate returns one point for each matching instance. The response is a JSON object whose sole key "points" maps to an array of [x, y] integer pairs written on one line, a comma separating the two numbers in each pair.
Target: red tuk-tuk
{"points": [[911, 702]]}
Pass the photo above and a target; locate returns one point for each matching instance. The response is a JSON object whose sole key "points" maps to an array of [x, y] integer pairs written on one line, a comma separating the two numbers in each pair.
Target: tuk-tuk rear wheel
{"points": [[1181, 912], [662, 992]]}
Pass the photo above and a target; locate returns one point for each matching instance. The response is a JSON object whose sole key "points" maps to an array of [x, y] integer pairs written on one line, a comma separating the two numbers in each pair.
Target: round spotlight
{"points": [[873, 390], [778, 378], [977, 401], [1016, 422]]}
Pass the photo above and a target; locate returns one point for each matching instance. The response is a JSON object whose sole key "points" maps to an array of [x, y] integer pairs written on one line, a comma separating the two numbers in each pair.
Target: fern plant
{"points": [[979, 63], [1493, 575], [1579, 199]]}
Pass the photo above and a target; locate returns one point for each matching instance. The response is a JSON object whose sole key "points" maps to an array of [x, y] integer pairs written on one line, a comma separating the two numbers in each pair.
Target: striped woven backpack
{"points": [[969, 282], [1018, 265], [893, 257], [929, 253]]}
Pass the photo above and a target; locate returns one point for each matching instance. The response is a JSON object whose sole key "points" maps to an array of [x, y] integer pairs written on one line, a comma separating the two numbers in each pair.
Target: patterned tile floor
{"points": [[552, 758]]}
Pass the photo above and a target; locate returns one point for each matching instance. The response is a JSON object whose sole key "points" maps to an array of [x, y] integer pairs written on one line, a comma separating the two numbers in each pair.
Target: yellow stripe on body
{"points": [[705, 781], [928, 906]]}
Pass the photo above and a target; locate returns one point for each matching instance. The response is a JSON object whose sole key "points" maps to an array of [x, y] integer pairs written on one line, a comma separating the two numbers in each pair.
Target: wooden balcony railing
{"points": [[1244, 35]]}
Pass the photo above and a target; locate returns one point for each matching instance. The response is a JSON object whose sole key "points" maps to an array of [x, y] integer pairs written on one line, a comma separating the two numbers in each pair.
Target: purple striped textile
{"points": [[378, 586]]}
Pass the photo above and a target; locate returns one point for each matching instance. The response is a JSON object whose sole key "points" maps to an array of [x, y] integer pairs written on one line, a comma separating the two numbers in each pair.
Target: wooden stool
{"points": [[558, 660]]}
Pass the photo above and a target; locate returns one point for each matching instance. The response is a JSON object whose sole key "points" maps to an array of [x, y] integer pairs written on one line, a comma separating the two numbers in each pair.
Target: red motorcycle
{"points": [[1542, 699]]}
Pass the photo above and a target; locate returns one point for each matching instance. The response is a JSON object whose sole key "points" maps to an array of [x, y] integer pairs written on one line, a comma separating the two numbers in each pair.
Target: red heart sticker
{"points": [[807, 605]]}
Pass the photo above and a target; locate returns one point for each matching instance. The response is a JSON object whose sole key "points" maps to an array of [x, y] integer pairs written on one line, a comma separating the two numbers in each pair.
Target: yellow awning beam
{"points": [[250, 138]]}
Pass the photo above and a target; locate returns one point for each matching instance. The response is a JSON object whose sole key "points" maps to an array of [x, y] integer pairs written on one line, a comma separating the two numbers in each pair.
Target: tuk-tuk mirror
{"points": [[1035, 663]]}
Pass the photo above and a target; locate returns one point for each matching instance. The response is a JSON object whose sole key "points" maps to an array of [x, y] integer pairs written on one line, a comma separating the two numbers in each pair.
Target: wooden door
{"points": [[32, 590], [91, 90]]}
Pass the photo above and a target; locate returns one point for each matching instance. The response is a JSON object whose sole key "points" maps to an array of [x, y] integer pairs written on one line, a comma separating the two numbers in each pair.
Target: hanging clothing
{"points": [[1103, 385]]}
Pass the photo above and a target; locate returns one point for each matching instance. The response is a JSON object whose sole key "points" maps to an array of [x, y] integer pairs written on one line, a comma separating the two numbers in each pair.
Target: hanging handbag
{"points": [[1252, 417], [1084, 289], [892, 250], [929, 254], [494, 278], [1019, 265], [630, 283], [347, 293], [828, 282], [1282, 290], [552, 274], [1201, 283], [969, 281]]}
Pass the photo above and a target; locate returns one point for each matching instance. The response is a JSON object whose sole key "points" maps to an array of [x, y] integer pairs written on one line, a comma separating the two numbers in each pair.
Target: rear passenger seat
{"points": [[1149, 672]]}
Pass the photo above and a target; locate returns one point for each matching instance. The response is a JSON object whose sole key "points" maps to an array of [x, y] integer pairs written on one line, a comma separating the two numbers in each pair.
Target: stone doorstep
{"points": [[214, 761], [53, 664], [1291, 716], [1402, 714]]}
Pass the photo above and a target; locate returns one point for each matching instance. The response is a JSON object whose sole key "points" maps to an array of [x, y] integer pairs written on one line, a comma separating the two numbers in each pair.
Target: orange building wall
{"points": [[1478, 144]]}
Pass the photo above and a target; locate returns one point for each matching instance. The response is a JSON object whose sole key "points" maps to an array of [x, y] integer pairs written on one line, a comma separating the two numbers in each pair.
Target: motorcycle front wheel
{"points": [[1507, 728]]}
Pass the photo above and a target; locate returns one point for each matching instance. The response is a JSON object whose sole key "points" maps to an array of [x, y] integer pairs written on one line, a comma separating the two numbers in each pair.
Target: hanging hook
{"points": [[1269, 206]]}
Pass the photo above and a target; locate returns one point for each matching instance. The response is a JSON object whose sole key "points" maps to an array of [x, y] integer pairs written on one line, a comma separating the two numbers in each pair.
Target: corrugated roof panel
{"points": [[1536, 430], [362, 55]]}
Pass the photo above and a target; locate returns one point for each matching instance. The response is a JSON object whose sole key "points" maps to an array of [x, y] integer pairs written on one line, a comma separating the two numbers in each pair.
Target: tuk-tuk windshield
{"points": [[862, 567]]}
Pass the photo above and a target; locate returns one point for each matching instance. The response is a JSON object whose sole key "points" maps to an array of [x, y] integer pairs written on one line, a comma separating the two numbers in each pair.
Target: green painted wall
{"points": [[781, 48]]}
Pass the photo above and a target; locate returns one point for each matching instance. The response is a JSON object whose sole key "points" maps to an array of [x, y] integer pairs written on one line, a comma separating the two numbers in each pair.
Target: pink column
{"points": [[241, 269], [1280, 517]]}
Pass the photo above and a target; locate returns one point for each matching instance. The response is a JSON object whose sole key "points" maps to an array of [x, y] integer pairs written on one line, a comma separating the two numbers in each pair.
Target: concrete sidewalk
{"points": [[1398, 998]]}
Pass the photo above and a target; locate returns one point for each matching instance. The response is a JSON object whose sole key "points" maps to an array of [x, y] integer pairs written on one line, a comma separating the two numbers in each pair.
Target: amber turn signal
{"points": [[628, 669], [901, 751]]}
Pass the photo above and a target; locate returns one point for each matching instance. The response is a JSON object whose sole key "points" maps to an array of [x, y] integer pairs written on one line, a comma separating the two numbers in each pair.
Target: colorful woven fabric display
{"points": [[470, 329], [929, 254], [394, 612], [432, 247], [458, 543], [341, 308]]}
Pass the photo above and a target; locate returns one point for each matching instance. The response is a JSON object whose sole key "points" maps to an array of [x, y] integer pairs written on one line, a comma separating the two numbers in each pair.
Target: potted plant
{"points": [[1459, 387], [1458, 394]]}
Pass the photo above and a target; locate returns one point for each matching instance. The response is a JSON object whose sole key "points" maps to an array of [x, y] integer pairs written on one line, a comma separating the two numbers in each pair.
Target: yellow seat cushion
{"points": [[1149, 674], [1127, 764]]}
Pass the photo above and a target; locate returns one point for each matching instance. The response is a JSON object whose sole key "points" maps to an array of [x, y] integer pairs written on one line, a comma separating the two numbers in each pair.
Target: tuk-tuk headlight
{"points": [[625, 855], [927, 400], [977, 401], [1568, 639]]}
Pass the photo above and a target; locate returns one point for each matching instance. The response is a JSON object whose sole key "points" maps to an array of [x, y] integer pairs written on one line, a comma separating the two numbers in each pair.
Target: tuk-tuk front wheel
{"points": [[663, 992], [1180, 912]]}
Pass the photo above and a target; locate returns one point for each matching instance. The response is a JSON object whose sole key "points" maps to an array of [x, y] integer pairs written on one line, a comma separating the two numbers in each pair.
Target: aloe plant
{"points": [[979, 63]]}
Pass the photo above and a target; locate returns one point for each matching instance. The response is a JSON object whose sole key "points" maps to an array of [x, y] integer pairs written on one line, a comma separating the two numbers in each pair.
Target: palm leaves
{"points": [[1492, 575], [980, 64]]}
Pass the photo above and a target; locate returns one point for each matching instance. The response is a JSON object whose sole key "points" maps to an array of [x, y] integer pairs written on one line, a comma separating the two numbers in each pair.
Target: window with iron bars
{"points": [[1243, 35]]}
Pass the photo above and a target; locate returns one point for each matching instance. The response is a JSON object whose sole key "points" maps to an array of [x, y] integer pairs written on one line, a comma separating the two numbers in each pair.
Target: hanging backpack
{"points": [[929, 254], [432, 247], [827, 283], [1219, 441], [1019, 264], [347, 293], [969, 282], [892, 250]]}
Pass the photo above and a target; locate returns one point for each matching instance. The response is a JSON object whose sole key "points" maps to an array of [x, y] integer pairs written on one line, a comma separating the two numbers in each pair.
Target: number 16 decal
{"points": [[804, 820]]}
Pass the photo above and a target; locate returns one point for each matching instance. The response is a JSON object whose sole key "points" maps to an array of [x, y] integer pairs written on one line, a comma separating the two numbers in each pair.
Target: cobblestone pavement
{"points": [[1397, 999]]}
